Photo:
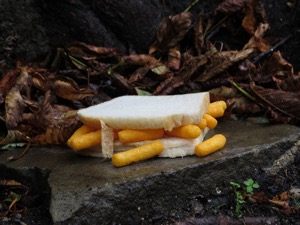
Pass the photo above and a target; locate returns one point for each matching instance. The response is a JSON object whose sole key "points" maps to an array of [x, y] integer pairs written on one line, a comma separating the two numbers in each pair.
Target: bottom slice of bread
{"points": [[174, 147]]}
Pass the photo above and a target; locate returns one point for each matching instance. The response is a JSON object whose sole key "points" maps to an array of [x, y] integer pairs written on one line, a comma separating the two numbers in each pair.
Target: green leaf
{"points": [[159, 70], [255, 185], [249, 189], [76, 62], [249, 182], [235, 184], [16, 196], [142, 92], [13, 145]]}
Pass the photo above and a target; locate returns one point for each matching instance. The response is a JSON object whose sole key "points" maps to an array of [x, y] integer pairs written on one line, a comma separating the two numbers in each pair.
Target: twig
{"points": [[271, 50], [191, 5], [12, 158]]}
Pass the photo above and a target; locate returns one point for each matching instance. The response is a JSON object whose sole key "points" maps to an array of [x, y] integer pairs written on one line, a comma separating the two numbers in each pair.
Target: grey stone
{"points": [[91, 191]]}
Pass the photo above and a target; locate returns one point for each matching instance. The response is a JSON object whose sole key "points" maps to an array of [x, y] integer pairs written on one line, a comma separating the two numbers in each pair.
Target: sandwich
{"points": [[128, 122]]}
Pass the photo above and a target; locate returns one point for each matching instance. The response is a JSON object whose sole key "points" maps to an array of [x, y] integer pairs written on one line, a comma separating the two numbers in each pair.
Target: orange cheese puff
{"points": [[211, 122], [84, 129], [210, 145], [86, 141], [137, 154], [202, 124], [219, 103], [186, 131], [128, 136], [216, 109]]}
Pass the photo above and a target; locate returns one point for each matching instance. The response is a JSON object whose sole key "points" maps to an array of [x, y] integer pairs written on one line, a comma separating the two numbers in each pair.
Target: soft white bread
{"points": [[147, 112], [174, 147]]}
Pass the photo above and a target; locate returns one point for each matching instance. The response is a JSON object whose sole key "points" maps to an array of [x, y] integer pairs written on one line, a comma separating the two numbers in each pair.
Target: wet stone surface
{"points": [[89, 190]]}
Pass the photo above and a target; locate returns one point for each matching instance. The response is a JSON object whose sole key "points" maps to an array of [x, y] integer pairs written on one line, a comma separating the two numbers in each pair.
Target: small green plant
{"points": [[241, 192]]}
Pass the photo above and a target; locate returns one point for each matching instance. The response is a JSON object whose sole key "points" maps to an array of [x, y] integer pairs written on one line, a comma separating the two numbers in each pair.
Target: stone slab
{"points": [[91, 191]]}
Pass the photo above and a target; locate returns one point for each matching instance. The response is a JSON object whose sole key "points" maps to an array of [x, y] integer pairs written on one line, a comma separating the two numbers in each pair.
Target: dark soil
{"points": [[33, 206]]}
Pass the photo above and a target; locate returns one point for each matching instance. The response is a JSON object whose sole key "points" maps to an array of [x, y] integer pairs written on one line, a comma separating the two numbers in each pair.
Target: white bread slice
{"points": [[147, 112], [174, 147]]}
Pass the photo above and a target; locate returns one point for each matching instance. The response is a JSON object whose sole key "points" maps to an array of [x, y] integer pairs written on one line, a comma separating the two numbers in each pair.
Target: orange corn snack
{"points": [[84, 129], [186, 131], [216, 109], [211, 122], [137, 154], [202, 124], [210, 145], [129, 136], [85, 141]]}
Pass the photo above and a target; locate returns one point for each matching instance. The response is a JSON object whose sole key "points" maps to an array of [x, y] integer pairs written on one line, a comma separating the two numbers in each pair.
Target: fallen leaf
{"points": [[285, 102], [67, 88], [89, 52], [174, 57], [221, 61], [171, 31], [232, 6], [7, 82]]}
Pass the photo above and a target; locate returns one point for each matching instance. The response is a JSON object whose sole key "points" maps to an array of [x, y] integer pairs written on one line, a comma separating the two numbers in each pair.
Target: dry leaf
{"points": [[258, 41], [7, 82], [171, 31], [67, 88], [89, 52], [285, 102], [232, 6], [174, 57], [221, 61]]}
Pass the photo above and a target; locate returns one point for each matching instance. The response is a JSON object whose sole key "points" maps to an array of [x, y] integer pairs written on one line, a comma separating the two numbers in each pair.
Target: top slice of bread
{"points": [[147, 112]]}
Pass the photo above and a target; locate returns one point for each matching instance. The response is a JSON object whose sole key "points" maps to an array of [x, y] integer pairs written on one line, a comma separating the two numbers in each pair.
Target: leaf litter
{"points": [[189, 55]]}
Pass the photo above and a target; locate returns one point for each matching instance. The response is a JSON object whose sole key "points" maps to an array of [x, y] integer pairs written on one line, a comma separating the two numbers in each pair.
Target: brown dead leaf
{"points": [[67, 88], [199, 34], [10, 183], [9, 136], [174, 57], [53, 124], [139, 60], [89, 52], [221, 61], [191, 66], [40, 81], [232, 6], [242, 106], [283, 69], [291, 83], [257, 40], [280, 203], [171, 31], [122, 83], [274, 69], [139, 74], [14, 102], [169, 85], [249, 21], [7, 82], [255, 14], [285, 102]]}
